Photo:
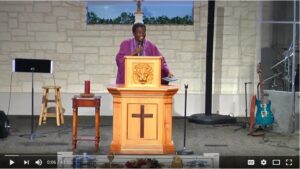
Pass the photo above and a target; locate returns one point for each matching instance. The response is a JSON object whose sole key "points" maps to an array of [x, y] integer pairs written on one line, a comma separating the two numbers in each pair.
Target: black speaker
{"points": [[4, 125]]}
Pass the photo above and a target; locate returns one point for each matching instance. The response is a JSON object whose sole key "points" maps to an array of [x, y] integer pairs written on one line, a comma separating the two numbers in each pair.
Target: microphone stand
{"points": [[246, 109], [246, 123], [185, 151]]}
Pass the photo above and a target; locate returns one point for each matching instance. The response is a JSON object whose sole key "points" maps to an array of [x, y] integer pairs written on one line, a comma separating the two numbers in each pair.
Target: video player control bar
{"points": [[28, 161], [259, 162], [70, 160]]}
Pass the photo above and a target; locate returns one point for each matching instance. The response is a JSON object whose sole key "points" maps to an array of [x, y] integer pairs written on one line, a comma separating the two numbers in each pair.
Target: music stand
{"points": [[32, 66]]}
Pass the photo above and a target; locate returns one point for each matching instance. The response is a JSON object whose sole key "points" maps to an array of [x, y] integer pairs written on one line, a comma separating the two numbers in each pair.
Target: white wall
{"points": [[58, 31]]}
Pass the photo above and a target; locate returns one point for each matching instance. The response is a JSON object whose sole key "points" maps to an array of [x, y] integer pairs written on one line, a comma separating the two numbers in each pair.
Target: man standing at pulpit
{"points": [[138, 46]]}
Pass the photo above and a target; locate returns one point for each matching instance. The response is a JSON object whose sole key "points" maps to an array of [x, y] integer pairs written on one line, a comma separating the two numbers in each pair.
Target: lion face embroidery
{"points": [[142, 73]]}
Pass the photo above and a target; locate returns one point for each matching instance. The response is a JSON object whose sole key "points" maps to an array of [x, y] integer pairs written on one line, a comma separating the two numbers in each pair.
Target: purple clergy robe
{"points": [[127, 47]]}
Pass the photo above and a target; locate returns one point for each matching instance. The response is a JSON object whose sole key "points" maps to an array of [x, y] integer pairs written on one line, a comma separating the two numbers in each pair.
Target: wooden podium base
{"points": [[142, 149], [142, 120]]}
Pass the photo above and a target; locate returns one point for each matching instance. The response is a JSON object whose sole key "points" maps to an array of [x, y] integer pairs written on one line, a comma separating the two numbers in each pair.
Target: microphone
{"points": [[141, 41]]}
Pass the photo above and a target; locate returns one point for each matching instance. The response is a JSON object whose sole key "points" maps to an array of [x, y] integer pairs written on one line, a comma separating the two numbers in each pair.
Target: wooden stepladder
{"points": [[57, 111]]}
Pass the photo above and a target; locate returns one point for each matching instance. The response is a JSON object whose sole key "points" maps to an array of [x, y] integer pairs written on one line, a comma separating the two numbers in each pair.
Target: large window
{"points": [[154, 12], [280, 44]]}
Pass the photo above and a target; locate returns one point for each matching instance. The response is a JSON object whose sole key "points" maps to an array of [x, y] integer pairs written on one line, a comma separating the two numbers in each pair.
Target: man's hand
{"points": [[170, 74], [137, 50]]}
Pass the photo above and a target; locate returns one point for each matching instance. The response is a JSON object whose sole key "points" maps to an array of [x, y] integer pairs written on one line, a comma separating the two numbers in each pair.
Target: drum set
{"points": [[282, 72]]}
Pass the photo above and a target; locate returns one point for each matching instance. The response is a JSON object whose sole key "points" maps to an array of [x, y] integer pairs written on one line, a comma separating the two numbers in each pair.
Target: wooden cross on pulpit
{"points": [[142, 117]]}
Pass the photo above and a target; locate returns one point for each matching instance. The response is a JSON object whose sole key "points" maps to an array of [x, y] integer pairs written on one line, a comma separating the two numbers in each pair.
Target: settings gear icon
{"points": [[263, 162]]}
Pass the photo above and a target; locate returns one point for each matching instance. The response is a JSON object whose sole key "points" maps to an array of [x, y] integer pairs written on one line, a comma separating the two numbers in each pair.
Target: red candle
{"points": [[87, 87]]}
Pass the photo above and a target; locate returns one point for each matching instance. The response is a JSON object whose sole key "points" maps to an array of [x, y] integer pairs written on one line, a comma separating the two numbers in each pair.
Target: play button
{"points": [[11, 162]]}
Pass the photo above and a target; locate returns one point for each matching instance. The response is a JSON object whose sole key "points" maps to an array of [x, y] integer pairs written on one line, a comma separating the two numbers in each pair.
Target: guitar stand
{"points": [[253, 132]]}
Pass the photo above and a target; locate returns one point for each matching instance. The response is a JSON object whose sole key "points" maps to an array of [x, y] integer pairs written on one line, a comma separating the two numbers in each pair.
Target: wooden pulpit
{"points": [[142, 109]]}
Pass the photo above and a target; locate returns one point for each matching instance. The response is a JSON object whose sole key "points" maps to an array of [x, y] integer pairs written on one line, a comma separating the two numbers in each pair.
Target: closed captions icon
{"points": [[251, 162]]}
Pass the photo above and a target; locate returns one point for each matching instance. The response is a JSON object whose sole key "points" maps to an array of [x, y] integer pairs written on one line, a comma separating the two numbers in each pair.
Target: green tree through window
{"points": [[154, 12]]}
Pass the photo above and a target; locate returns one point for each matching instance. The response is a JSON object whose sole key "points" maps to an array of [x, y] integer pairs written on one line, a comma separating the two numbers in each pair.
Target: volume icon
{"points": [[39, 162]]}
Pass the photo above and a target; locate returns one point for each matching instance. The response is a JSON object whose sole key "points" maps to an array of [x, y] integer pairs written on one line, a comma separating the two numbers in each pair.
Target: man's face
{"points": [[140, 34]]}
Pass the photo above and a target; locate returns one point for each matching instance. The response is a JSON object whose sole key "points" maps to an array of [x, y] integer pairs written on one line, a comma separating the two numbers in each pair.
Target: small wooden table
{"points": [[79, 101]]}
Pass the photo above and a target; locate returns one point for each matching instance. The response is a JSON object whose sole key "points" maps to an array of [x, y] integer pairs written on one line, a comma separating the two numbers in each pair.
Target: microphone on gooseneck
{"points": [[140, 43]]}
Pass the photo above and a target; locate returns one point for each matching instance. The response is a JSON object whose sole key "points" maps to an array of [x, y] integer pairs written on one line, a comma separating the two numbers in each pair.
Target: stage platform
{"points": [[223, 139]]}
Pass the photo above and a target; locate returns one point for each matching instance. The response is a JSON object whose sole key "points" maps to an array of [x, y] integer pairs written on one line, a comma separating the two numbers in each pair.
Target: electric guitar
{"points": [[263, 116]]}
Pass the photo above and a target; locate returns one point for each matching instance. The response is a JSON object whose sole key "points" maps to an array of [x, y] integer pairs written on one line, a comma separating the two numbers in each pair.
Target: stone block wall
{"points": [[58, 31]]}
